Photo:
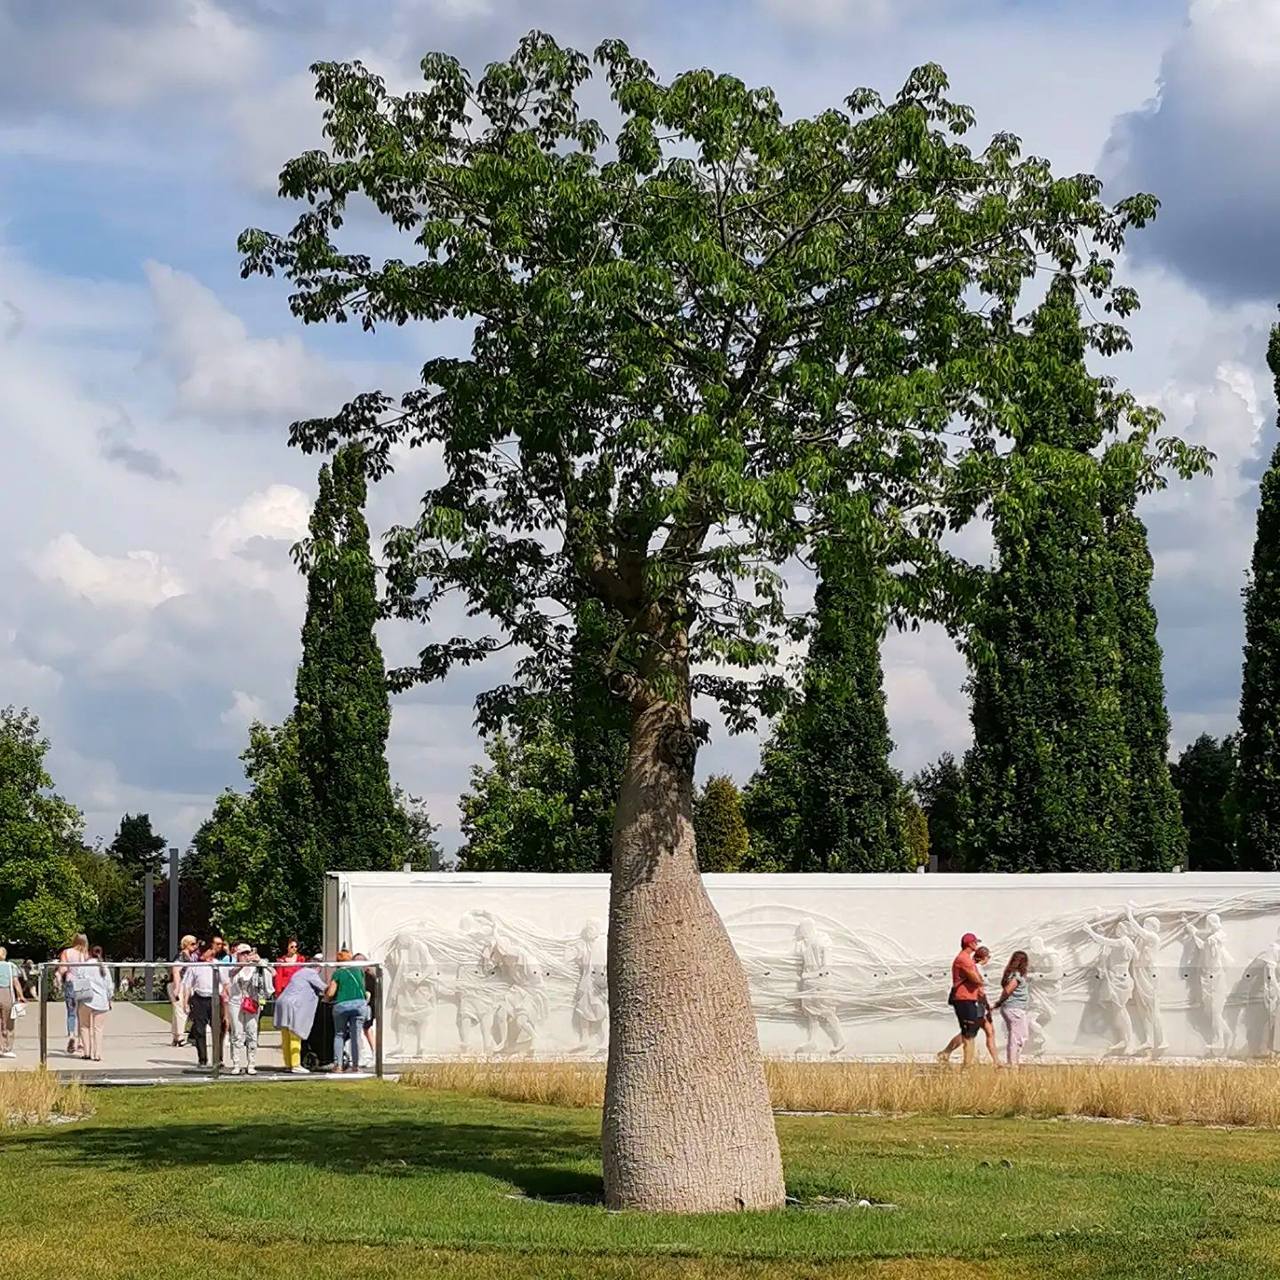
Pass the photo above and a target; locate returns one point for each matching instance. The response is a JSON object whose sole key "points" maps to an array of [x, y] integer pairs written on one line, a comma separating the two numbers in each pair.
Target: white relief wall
{"points": [[1129, 966]]}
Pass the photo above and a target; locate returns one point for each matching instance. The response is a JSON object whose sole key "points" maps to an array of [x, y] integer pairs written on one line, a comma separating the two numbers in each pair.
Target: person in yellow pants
{"points": [[295, 1012], [291, 1047]]}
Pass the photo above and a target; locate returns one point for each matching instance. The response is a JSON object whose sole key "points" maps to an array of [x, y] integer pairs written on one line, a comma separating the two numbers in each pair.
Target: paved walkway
{"points": [[134, 1043]]}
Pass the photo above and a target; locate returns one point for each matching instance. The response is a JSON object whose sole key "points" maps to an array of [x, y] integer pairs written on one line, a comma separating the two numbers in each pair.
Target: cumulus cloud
{"points": [[138, 578], [120, 55], [278, 513], [221, 373], [1204, 144], [245, 709]]}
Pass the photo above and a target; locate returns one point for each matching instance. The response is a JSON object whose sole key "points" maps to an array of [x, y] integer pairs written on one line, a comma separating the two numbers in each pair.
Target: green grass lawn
{"points": [[371, 1180]]}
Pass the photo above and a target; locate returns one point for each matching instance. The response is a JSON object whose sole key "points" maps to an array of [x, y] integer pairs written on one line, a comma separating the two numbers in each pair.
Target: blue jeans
{"points": [[73, 1016], [348, 1020]]}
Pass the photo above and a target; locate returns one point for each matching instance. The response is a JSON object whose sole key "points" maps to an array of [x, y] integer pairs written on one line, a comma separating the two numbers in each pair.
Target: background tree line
{"points": [[1067, 772]]}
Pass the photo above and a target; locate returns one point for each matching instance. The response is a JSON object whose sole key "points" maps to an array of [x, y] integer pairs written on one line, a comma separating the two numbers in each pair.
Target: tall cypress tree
{"points": [[1259, 742], [1154, 837], [343, 713], [1048, 768], [825, 797]]}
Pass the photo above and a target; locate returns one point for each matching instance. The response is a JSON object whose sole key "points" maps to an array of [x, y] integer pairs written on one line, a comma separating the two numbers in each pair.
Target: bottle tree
{"points": [[1258, 745], [714, 342], [825, 797], [343, 714]]}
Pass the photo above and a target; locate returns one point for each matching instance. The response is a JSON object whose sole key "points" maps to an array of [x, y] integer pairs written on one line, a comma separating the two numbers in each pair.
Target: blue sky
{"points": [[148, 608]]}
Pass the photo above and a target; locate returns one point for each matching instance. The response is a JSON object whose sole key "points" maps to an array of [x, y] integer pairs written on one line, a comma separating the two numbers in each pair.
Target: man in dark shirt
{"points": [[967, 996]]}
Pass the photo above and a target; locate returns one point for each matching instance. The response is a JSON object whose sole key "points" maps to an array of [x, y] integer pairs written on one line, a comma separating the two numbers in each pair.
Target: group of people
{"points": [[297, 987], [972, 1001]]}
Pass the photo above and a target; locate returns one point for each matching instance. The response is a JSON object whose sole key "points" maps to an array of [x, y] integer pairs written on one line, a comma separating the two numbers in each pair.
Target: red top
{"points": [[285, 969], [965, 977]]}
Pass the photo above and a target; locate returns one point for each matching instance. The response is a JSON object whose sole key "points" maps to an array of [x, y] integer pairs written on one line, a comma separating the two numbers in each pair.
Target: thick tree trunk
{"points": [[688, 1127]]}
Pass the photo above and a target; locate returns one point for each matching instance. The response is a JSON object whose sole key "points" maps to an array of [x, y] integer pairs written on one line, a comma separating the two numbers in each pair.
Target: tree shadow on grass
{"points": [[539, 1161]]}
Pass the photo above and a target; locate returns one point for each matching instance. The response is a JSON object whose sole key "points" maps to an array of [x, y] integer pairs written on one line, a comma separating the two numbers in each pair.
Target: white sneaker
{"points": [[235, 1071], [8, 1053], [251, 1071], [299, 1071]]}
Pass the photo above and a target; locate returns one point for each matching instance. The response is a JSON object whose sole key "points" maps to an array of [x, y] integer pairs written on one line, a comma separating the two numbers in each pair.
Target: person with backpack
{"points": [[967, 998]]}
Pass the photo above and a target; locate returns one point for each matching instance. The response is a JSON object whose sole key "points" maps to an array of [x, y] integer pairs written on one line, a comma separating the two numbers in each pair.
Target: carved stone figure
{"points": [[814, 988], [1115, 969], [477, 1000], [502, 996], [1271, 996], [1146, 984], [411, 994], [1043, 992], [1211, 977], [591, 997]]}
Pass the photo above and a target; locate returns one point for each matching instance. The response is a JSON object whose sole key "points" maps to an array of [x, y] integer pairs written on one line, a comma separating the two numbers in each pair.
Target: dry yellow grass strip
{"points": [[36, 1097], [1210, 1094]]}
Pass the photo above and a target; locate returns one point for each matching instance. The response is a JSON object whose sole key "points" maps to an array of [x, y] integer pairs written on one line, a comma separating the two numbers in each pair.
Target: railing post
{"points": [[173, 903], [377, 1023], [42, 995], [149, 931], [215, 1049]]}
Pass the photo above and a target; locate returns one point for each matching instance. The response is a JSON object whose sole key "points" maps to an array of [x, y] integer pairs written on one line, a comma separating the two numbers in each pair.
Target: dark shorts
{"points": [[969, 1013]]}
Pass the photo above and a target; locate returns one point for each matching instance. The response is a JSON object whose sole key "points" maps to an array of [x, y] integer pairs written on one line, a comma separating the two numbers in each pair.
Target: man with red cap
{"points": [[967, 996]]}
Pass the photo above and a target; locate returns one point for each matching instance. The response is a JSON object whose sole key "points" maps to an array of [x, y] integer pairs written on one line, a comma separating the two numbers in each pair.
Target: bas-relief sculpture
{"points": [[1101, 983]]}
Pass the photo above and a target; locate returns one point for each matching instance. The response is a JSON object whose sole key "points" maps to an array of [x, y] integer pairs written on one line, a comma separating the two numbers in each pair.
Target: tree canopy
{"points": [[694, 352], [43, 897], [719, 826], [942, 792], [255, 855], [1205, 777], [136, 847]]}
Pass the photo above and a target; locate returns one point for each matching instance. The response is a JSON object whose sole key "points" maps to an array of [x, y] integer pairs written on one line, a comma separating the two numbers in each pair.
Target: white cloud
{"points": [[244, 710], [271, 124], [119, 55], [1204, 145], [875, 14], [138, 578], [278, 513], [222, 374]]}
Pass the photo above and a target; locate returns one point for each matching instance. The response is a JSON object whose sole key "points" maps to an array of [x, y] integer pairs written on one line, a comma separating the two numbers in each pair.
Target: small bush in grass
{"points": [[36, 1097], [1209, 1094]]}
